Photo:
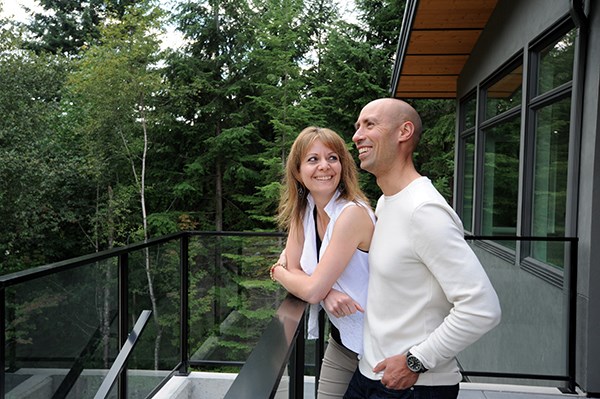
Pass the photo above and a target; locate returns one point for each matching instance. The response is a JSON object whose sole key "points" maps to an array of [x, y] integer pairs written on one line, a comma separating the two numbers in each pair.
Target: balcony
{"points": [[116, 324]]}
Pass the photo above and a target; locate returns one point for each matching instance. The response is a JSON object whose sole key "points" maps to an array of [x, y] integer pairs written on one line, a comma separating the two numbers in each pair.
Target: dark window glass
{"points": [[468, 182], [505, 94], [500, 179], [550, 180], [556, 63], [469, 109]]}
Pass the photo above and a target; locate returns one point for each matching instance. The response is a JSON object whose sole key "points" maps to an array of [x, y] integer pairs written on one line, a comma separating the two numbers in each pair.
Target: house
{"points": [[526, 78]]}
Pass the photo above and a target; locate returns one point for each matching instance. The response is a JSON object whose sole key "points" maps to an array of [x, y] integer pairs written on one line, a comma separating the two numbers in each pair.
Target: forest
{"points": [[108, 138]]}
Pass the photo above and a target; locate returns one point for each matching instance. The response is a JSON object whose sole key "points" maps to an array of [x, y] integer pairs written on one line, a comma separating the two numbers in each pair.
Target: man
{"points": [[429, 297]]}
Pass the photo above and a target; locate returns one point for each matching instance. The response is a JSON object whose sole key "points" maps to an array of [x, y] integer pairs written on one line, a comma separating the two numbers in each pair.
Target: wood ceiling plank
{"points": [[444, 42], [433, 64], [434, 14], [427, 83], [425, 94]]}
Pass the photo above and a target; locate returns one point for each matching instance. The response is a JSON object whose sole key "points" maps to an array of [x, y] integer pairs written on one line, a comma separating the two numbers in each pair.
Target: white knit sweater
{"points": [[428, 292]]}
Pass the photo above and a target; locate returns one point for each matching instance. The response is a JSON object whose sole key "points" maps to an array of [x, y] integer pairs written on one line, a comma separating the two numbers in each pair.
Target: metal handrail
{"points": [[267, 361], [124, 353], [11, 279]]}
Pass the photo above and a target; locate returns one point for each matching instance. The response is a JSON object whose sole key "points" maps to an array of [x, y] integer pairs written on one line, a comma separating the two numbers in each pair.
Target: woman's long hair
{"points": [[293, 200]]}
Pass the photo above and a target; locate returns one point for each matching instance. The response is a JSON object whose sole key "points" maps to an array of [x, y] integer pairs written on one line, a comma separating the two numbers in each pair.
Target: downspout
{"points": [[581, 22], [578, 15], [410, 11]]}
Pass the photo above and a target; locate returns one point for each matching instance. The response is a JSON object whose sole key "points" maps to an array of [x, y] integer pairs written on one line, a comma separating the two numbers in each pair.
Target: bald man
{"points": [[428, 295]]}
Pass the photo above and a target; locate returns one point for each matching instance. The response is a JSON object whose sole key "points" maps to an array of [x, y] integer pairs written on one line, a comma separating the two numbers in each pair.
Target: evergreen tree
{"points": [[68, 26]]}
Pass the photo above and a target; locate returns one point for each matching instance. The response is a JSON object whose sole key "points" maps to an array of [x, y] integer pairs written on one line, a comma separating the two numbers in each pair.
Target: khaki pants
{"points": [[339, 364]]}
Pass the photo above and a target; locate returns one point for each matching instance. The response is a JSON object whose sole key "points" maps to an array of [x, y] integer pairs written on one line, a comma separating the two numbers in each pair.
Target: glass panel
{"points": [[231, 297], [556, 63], [532, 336], [62, 323], [154, 282], [469, 111], [550, 180], [501, 178], [468, 182], [504, 94]]}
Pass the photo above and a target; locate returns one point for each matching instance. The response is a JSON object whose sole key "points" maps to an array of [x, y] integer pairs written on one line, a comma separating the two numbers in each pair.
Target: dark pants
{"points": [[361, 387]]}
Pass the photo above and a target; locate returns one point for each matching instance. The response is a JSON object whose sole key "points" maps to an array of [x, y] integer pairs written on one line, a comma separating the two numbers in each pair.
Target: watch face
{"points": [[413, 364]]}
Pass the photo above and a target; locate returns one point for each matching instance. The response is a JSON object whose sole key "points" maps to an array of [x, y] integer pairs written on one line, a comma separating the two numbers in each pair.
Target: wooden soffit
{"points": [[436, 39]]}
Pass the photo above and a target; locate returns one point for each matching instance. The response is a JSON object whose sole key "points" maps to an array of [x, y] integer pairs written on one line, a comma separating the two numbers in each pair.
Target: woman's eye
{"points": [[333, 158], [312, 159]]}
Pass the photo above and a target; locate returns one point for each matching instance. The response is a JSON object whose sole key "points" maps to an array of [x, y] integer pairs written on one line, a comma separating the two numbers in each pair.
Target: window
{"points": [[468, 182], [501, 179], [501, 138], [514, 151], [505, 94], [551, 106], [556, 63], [468, 109]]}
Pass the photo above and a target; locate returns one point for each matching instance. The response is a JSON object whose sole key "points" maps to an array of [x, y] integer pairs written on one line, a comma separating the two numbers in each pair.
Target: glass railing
{"points": [[65, 323], [535, 342]]}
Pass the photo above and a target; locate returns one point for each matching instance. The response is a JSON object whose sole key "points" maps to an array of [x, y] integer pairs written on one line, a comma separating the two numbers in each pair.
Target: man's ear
{"points": [[406, 131]]}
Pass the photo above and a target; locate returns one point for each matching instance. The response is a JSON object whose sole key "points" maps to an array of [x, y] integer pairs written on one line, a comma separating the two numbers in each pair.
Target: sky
{"points": [[14, 9]]}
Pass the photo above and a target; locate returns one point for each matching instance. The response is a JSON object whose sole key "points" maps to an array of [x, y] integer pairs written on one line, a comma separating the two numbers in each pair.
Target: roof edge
{"points": [[410, 11]]}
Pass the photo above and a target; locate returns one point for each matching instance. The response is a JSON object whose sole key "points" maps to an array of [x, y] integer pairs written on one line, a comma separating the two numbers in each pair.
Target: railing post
{"points": [[123, 317], [572, 315], [184, 314], [2, 341], [296, 388], [319, 349]]}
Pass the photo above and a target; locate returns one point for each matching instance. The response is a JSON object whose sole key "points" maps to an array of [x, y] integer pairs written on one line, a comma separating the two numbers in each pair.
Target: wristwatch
{"points": [[414, 364]]}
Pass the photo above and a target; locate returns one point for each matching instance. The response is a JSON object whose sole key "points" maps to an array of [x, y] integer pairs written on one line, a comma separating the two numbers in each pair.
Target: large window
{"points": [[554, 71], [501, 133], [515, 149], [501, 179]]}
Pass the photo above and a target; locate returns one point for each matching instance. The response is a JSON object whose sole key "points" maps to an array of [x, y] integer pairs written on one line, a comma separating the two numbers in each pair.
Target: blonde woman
{"points": [[329, 224]]}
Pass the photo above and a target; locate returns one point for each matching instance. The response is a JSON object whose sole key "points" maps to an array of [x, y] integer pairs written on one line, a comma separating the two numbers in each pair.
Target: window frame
{"points": [[534, 104], [504, 70], [463, 135], [527, 111]]}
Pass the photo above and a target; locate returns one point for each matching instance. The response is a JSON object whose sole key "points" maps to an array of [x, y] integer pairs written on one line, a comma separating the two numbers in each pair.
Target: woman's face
{"points": [[320, 170]]}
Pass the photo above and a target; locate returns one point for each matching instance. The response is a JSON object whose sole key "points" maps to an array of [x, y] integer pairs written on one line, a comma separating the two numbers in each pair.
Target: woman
{"points": [[329, 224]]}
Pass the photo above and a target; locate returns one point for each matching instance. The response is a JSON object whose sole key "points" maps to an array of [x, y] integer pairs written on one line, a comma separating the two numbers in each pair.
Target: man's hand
{"points": [[396, 374], [339, 304]]}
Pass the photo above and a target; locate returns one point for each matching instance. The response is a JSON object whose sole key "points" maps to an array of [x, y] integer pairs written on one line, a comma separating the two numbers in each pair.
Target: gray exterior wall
{"points": [[511, 28]]}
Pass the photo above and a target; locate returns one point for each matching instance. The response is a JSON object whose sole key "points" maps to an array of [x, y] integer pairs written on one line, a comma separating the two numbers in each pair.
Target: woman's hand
{"points": [[281, 262], [339, 304]]}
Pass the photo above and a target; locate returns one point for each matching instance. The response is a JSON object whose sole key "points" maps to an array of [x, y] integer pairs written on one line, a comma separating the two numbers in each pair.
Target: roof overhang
{"points": [[436, 39]]}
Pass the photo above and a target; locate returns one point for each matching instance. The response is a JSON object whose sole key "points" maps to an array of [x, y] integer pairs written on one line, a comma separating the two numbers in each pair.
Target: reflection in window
{"points": [[468, 182], [556, 63], [469, 109], [550, 180], [500, 179], [504, 94]]}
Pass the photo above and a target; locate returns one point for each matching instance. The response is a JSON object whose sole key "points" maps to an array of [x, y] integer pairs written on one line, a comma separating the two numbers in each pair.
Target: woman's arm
{"points": [[353, 229]]}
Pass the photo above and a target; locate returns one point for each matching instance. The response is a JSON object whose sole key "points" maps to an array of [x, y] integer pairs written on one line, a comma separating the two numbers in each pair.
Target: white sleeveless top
{"points": [[353, 281]]}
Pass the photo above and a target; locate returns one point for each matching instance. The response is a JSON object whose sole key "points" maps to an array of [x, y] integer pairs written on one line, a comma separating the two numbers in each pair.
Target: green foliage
{"points": [[70, 26], [435, 153]]}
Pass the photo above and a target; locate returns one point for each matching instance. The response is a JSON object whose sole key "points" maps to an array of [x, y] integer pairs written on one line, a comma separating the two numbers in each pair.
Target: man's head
{"points": [[387, 132]]}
